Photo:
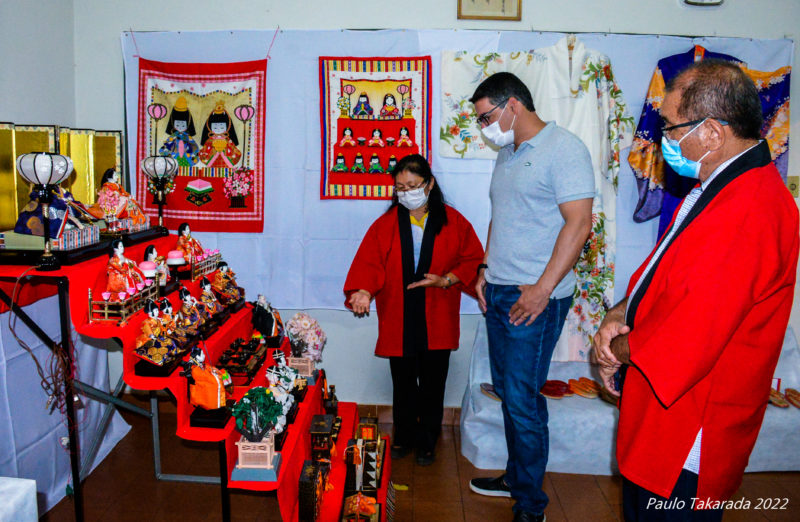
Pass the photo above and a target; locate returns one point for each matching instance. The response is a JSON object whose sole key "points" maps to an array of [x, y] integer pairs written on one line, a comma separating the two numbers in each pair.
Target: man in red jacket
{"points": [[701, 328]]}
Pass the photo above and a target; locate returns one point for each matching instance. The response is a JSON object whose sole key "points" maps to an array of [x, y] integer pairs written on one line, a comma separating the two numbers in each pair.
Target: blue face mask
{"points": [[671, 150]]}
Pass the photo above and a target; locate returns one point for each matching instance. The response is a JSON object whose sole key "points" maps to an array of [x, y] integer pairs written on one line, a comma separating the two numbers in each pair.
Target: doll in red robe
{"points": [[127, 206], [190, 247], [122, 272], [219, 140]]}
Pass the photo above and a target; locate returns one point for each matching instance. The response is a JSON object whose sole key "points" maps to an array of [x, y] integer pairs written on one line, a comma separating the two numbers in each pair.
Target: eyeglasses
{"points": [[483, 119], [665, 130], [406, 189]]}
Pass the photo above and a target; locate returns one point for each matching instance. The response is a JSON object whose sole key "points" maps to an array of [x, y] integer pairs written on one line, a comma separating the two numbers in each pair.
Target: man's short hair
{"points": [[721, 90], [501, 86]]}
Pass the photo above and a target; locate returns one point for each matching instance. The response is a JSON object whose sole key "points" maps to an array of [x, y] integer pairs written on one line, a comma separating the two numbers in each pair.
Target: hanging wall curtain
{"points": [[374, 111], [210, 118]]}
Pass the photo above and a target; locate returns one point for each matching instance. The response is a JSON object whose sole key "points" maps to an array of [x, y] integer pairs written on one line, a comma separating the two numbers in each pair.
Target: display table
{"points": [[583, 431], [19, 500]]}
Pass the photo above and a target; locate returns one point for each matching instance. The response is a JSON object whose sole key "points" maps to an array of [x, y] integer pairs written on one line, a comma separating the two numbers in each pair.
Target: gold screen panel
{"points": [[9, 209], [78, 144], [25, 139], [107, 154]]}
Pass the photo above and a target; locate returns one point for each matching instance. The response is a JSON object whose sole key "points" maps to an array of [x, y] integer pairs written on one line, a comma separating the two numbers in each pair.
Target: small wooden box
{"points": [[256, 454], [303, 365]]}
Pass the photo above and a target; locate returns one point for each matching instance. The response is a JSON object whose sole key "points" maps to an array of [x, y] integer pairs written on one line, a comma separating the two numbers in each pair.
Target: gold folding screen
{"points": [[92, 152]]}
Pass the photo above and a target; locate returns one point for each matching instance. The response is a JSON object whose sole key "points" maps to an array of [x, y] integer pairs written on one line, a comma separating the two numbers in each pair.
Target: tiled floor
{"points": [[123, 488]]}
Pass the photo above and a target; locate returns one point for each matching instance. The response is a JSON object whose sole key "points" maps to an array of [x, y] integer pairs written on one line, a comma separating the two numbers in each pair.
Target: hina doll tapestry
{"points": [[373, 112], [210, 118], [660, 188]]}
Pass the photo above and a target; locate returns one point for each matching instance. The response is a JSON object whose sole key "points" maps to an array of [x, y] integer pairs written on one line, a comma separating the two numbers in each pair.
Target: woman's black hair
{"points": [[183, 293], [182, 227], [416, 164], [148, 250], [149, 306], [114, 244], [219, 117], [107, 175], [175, 114]]}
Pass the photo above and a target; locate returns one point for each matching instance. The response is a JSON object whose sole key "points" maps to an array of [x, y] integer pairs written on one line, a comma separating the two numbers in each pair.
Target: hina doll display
{"points": [[225, 284], [219, 140], [161, 268], [392, 164], [180, 145], [404, 140], [190, 317], [123, 206], [208, 300], [64, 211], [347, 138], [390, 110], [362, 108], [153, 344], [123, 274], [377, 139], [168, 321], [190, 247]]}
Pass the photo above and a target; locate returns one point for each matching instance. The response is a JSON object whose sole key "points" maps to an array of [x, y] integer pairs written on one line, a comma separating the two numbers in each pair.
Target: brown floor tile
{"points": [[580, 497], [483, 509], [611, 486], [430, 510]]}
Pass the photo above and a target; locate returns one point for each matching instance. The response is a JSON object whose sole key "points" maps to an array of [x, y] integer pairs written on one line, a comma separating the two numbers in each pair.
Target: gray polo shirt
{"points": [[527, 186]]}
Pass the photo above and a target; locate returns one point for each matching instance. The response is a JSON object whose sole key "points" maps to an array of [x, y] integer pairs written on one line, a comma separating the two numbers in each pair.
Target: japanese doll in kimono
{"points": [[207, 298], [358, 164], [162, 270], [377, 139], [266, 320], [340, 165], [362, 108], [153, 343], [392, 164], [390, 109], [404, 140], [190, 316], [63, 212], [225, 284], [169, 323], [219, 140], [180, 127], [122, 272], [375, 165], [126, 208], [190, 247], [347, 138], [289, 374], [280, 387]]}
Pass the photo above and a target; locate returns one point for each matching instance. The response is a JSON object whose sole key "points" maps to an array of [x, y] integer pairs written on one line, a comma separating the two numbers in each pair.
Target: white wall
{"points": [[37, 77], [98, 87]]}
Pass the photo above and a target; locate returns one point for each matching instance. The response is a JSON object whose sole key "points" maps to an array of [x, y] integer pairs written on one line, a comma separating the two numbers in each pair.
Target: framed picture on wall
{"points": [[490, 9]]}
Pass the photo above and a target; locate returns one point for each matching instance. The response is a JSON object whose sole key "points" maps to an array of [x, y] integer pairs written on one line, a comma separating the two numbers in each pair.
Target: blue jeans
{"points": [[520, 359]]}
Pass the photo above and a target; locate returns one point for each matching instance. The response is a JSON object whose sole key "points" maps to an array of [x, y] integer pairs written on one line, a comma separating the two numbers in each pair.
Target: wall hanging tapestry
{"points": [[373, 111], [210, 118]]}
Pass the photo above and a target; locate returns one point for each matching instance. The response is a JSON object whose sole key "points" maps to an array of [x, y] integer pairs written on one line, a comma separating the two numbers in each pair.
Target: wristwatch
{"points": [[482, 266], [449, 282]]}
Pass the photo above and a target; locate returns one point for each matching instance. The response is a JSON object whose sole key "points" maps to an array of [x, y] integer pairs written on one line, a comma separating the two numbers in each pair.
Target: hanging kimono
{"points": [[575, 87]]}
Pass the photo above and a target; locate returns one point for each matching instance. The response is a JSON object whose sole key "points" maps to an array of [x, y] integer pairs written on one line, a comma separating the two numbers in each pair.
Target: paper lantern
{"points": [[44, 168]]}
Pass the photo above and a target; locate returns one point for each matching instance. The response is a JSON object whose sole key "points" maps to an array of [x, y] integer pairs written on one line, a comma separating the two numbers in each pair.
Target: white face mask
{"points": [[412, 199], [494, 134]]}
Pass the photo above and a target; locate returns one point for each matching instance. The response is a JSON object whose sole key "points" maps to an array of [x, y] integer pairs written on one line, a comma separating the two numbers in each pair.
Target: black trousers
{"points": [[640, 505], [418, 398]]}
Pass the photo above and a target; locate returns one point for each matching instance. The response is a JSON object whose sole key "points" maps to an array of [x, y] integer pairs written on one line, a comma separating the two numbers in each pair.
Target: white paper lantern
{"points": [[44, 168], [159, 166]]}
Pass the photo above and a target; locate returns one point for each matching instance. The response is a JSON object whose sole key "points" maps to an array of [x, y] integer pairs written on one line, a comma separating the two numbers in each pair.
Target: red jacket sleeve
{"points": [[712, 275], [470, 255], [368, 269]]}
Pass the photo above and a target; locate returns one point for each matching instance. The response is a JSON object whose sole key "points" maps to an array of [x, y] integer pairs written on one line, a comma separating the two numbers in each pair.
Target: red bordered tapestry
{"points": [[210, 118], [373, 112]]}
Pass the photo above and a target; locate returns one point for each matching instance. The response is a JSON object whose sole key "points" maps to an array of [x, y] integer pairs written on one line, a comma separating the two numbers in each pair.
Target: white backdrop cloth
{"points": [[29, 435], [583, 431], [19, 500]]}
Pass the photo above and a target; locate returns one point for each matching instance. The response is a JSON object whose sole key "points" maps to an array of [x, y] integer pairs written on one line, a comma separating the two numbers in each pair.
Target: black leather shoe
{"points": [[526, 516], [425, 458]]}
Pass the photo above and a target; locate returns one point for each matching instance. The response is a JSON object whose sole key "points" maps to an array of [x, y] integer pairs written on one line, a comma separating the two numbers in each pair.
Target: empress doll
{"points": [[110, 186], [122, 272], [219, 140], [390, 109], [180, 127], [190, 247]]}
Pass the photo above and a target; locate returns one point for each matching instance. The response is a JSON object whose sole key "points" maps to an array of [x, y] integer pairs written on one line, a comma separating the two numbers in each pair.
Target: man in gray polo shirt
{"points": [[541, 192]]}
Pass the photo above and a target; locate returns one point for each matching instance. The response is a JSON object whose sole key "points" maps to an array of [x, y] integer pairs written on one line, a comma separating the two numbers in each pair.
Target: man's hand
{"points": [[480, 285], [530, 304], [359, 302], [612, 326], [607, 376], [430, 280]]}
